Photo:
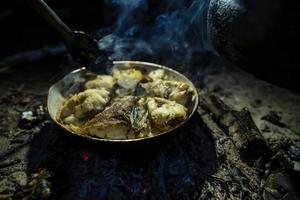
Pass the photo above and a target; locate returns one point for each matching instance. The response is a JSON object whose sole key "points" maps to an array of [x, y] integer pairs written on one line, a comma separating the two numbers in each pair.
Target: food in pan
{"points": [[128, 104], [128, 78], [171, 90], [114, 121], [164, 113], [101, 82], [84, 103]]}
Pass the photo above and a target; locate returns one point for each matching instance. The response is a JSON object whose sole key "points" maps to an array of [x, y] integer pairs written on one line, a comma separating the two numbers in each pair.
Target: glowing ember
{"points": [[145, 190], [85, 156]]}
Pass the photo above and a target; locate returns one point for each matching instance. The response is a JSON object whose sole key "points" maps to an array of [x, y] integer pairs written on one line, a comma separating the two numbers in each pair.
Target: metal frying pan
{"points": [[84, 49], [56, 96]]}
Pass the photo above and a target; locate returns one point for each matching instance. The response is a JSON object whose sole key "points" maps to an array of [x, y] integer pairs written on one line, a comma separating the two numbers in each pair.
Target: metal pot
{"points": [[259, 36]]}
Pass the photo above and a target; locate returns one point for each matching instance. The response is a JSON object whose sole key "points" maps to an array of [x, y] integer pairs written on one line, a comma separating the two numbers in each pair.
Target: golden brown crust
{"points": [[117, 115]]}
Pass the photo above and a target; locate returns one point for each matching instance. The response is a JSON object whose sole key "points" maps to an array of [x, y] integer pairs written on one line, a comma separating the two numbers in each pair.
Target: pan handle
{"points": [[82, 46], [48, 14]]}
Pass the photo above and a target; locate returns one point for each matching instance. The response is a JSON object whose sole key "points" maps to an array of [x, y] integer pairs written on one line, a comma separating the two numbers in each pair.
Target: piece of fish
{"points": [[114, 122], [171, 90], [140, 120], [165, 114], [84, 103], [157, 74], [101, 81], [128, 78]]}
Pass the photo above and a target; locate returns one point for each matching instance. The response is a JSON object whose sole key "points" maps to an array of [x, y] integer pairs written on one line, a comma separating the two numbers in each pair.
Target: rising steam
{"points": [[165, 32]]}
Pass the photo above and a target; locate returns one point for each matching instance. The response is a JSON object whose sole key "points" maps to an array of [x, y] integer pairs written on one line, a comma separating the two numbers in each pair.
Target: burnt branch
{"points": [[238, 125]]}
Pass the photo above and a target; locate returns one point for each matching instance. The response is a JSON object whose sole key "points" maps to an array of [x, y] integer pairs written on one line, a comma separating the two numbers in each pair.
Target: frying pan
{"points": [[57, 93], [84, 49]]}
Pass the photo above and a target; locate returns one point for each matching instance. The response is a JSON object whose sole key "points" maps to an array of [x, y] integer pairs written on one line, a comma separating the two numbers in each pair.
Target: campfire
{"points": [[239, 140]]}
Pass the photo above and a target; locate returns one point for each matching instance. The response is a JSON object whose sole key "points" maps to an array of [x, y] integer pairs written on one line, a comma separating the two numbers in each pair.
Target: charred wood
{"points": [[238, 125]]}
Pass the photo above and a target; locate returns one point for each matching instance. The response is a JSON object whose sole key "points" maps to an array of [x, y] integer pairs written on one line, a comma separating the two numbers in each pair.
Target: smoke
{"points": [[166, 32]]}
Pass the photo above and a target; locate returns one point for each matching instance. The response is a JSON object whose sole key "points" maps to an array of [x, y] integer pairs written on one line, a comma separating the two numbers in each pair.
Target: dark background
{"points": [[22, 30]]}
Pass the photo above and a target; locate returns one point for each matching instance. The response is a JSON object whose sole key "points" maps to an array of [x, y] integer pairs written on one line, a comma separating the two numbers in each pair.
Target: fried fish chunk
{"points": [[140, 121], [83, 103], [101, 81], [164, 113], [172, 90], [157, 74], [128, 78], [114, 122]]}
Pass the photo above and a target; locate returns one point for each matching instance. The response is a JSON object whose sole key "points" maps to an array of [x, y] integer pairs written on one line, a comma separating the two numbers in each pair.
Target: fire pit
{"points": [[225, 152]]}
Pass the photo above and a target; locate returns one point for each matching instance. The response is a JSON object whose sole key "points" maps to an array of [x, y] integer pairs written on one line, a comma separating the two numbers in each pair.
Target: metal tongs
{"points": [[83, 47]]}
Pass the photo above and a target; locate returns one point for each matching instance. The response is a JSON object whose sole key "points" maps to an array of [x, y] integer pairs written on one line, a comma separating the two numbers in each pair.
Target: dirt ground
{"points": [[276, 112]]}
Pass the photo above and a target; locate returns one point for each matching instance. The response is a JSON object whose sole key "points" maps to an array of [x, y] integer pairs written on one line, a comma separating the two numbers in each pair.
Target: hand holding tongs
{"points": [[82, 46]]}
